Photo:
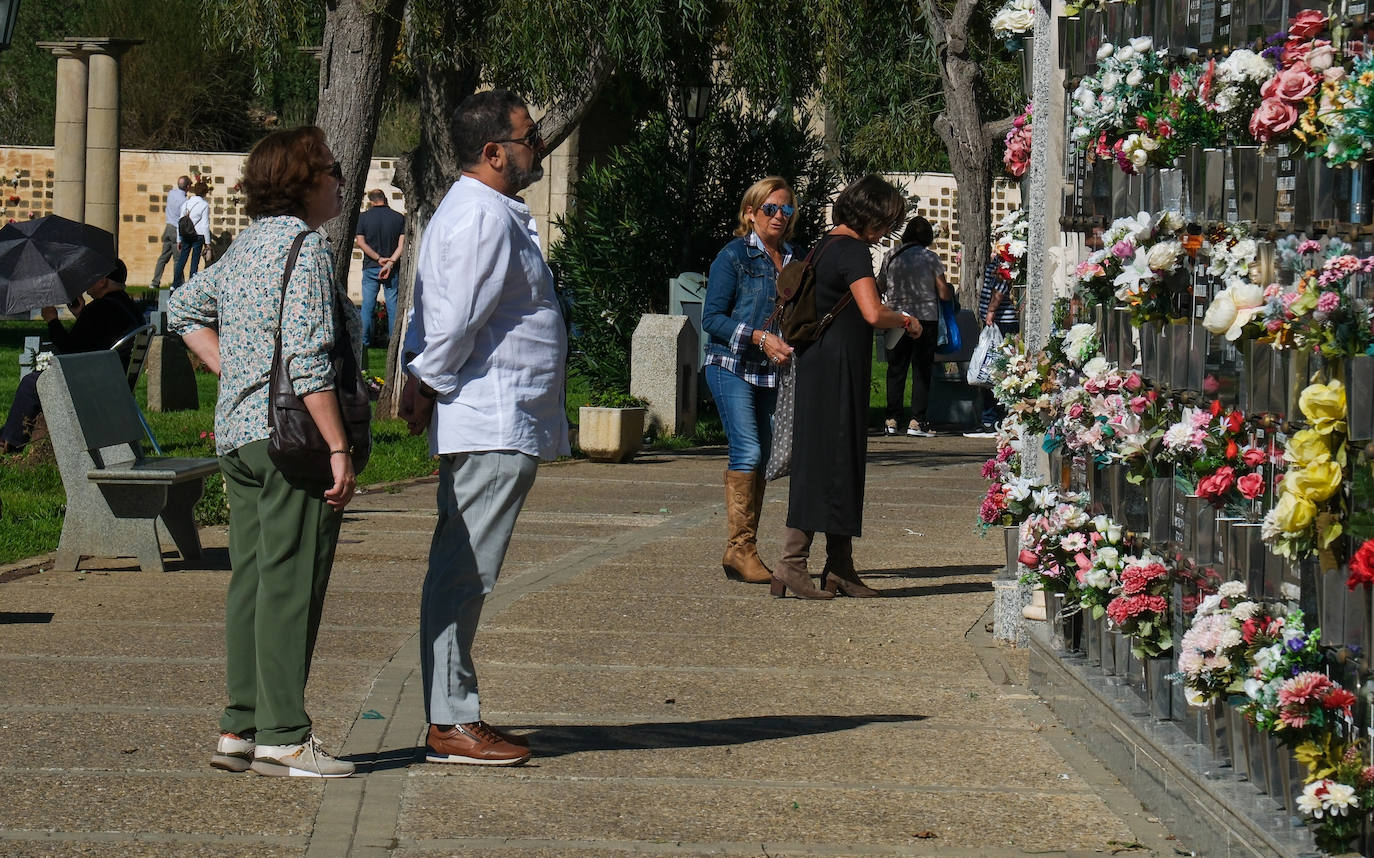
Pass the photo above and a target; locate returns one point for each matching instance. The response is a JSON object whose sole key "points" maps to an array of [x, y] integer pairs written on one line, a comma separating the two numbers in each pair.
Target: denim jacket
{"points": [[739, 299]]}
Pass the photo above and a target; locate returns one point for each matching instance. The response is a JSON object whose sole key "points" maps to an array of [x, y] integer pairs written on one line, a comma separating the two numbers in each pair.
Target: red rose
{"points": [[1027, 557], [1306, 24], [1218, 484], [1251, 486], [1215, 408], [1296, 82], [1231, 450], [1234, 421], [1362, 566], [1273, 117]]}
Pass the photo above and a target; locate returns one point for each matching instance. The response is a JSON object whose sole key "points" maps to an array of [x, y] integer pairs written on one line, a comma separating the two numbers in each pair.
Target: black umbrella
{"points": [[49, 261]]}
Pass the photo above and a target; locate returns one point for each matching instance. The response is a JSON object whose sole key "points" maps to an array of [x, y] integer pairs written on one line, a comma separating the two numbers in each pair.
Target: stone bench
{"points": [[115, 495]]}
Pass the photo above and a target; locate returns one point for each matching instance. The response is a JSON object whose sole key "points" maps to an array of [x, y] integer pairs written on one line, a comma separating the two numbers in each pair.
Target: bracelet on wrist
{"points": [[347, 452]]}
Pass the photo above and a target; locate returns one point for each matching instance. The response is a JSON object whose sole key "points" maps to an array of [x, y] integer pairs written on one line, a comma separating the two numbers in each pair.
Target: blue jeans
{"points": [[746, 412], [371, 282], [191, 249]]}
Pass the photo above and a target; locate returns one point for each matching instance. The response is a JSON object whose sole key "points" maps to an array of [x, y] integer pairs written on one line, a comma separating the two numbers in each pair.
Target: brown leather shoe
{"points": [[475, 744]]}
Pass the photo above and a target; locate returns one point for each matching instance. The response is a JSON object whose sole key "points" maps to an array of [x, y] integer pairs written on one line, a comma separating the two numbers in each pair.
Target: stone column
{"points": [[102, 133], [69, 132]]}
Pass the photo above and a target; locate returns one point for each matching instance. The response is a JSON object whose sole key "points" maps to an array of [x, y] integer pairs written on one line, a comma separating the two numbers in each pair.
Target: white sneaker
{"points": [[983, 433], [233, 753], [306, 760]]}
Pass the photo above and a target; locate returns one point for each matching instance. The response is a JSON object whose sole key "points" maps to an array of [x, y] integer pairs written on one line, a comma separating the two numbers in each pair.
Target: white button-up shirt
{"points": [[487, 328]]}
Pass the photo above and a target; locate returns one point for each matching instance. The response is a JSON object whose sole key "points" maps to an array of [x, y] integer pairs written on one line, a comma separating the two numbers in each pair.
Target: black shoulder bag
{"points": [[295, 445]]}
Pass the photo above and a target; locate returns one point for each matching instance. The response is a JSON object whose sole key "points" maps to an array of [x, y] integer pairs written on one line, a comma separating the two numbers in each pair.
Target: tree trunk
{"points": [[426, 175], [972, 144], [355, 60]]}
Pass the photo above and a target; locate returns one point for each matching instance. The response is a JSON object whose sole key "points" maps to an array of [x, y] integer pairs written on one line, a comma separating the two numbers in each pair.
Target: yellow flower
{"points": [[1316, 482], [1324, 406], [1294, 513], [1367, 78], [1307, 447]]}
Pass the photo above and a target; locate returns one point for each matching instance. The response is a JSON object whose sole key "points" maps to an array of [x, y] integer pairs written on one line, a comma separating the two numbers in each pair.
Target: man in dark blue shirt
{"points": [[381, 238]]}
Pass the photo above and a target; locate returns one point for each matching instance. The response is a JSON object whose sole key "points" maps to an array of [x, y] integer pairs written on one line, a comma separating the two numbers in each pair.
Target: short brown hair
{"points": [[376, 195], [754, 197], [200, 188], [281, 170], [867, 204]]}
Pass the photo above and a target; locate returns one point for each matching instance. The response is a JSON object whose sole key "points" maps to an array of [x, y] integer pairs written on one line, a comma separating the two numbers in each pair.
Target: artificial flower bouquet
{"points": [[1017, 158], [1009, 499], [1079, 344], [1336, 801], [1310, 510], [1211, 656], [1111, 109], [1055, 541], [1101, 415], [1304, 98], [1013, 22], [1324, 309], [1025, 384], [1101, 573], [1009, 238], [1139, 257], [1213, 455], [1140, 607]]}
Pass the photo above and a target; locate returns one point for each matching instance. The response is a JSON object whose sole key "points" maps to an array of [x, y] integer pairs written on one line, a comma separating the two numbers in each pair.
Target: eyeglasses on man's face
{"points": [[771, 209], [532, 140]]}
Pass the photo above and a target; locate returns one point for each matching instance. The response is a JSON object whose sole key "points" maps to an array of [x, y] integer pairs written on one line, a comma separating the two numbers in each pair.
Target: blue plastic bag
{"points": [[949, 341]]}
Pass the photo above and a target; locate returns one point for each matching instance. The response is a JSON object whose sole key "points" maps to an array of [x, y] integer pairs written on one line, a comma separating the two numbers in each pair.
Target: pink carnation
{"points": [[1328, 302]]}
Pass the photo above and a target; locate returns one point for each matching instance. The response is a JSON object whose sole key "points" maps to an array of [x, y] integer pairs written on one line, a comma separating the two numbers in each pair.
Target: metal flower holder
{"points": [[1125, 339], [1359, 388], [1158, 687], [1106, 646], [1238, 749], [1149, 352], [1245, 169], [1161, 511], [1225, 368], [1011, 538]]}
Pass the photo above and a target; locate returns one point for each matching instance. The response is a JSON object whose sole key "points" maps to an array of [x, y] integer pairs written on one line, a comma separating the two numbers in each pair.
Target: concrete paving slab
{"points": [[203, 641], [169, 847], [511, 804]]}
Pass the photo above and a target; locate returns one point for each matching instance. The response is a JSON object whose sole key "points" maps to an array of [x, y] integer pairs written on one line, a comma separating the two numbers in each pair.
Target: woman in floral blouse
{"points": [[282, 531]]}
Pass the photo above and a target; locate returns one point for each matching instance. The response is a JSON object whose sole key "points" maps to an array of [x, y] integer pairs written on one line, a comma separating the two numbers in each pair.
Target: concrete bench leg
{"points": [[134, 530], [179, 517]]}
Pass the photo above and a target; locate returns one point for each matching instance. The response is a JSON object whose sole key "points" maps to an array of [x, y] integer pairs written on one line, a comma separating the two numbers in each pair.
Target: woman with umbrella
{"points": [[110, 315]]}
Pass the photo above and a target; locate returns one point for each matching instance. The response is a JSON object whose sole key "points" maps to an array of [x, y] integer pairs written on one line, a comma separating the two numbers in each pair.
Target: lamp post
{"points": [[696, 103], [9, 12]]}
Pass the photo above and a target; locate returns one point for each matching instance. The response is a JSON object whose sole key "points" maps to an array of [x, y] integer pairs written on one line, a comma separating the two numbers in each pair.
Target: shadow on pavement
{"points": [[556, 741], [14, 618]]}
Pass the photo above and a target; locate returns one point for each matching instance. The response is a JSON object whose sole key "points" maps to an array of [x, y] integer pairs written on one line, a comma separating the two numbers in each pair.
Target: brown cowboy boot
{"points": [[839, 574], [791, 571], [741, 560]]}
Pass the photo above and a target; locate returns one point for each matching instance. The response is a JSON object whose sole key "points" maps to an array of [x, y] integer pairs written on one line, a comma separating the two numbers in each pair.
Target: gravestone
{"points": [[171, 379], [663, 372]]}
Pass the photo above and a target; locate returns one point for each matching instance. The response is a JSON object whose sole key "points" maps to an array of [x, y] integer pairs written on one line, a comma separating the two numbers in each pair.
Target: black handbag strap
{"points": [[285, 279]]}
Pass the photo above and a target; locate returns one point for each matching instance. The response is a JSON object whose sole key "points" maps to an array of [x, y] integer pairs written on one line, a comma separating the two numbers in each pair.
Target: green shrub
{"points": [[622, 238]]}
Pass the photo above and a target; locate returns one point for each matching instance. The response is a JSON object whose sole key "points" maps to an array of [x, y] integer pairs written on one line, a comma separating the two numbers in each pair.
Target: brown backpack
{"points": [[799, 321]]}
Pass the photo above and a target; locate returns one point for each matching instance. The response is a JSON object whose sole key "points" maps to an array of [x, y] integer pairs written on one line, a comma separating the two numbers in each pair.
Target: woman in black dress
{"points": [[830, 435]]}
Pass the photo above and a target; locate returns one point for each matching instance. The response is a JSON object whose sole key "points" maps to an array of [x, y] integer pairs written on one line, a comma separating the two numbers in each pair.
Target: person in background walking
{"points": [[283, 530], [912, 280], [192, 246], [176, 198], [742, 360], [830, 429], [995, 307], [382, 239], [490, 347]]}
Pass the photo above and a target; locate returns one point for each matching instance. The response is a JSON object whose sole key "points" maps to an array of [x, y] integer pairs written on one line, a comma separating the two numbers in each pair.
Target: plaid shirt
{"points": [[758, 371]]}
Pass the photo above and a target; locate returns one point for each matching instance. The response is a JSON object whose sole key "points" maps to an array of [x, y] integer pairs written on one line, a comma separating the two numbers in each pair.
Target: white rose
{"points": [[1125, 53], [1108, 557], [1110, 81], [1164, 256], [1142, 44], [1220, 314], [1107, 103], [1105, 51], [1231, 638], [1135, 78], [1139, 157]]}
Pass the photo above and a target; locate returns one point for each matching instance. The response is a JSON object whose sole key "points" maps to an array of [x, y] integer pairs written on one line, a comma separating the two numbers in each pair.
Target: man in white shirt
{"points": [[490, 346], [176, 198]]}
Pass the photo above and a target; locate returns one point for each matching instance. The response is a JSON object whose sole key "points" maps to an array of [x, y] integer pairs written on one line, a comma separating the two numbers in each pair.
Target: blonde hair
{"points": [[754, 197]]}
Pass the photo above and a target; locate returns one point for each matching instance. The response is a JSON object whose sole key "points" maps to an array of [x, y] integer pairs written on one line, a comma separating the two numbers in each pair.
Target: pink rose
{"points": [[1295, 82], [1075, 410], [1335, 74], [1271, 118], [1139, 404], [1253, 457], [1306, 24], [1027, 557], [1251, 486], [1218, 484], [1321, 57], [1123, 249], [1132, 382]]}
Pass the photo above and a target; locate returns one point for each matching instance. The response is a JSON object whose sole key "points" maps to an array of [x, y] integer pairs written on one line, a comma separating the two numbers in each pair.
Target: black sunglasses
{"points": [[771, 209], [532, 139]]}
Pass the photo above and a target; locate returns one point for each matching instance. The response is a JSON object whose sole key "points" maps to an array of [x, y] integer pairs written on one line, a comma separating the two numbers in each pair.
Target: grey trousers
{"points": [[480, 496], [169, 249]]}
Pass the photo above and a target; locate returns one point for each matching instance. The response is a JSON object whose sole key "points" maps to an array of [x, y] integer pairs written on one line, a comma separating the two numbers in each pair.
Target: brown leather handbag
{"points": [[295, 445]]}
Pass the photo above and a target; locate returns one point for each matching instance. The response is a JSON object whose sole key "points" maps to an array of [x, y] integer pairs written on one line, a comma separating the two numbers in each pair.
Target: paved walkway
{"points": [[672, 712]]}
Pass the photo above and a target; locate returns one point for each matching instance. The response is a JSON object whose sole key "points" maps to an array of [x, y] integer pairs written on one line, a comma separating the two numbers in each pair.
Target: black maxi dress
{"points": [[830, 431]]}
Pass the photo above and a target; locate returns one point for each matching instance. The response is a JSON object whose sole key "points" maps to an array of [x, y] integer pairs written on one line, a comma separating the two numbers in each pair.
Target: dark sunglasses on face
{"points": [[532, 140], [771, 209]]}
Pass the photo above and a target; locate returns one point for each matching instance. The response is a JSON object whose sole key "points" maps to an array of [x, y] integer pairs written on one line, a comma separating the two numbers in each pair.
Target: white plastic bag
{"points": [[980, 365]]}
